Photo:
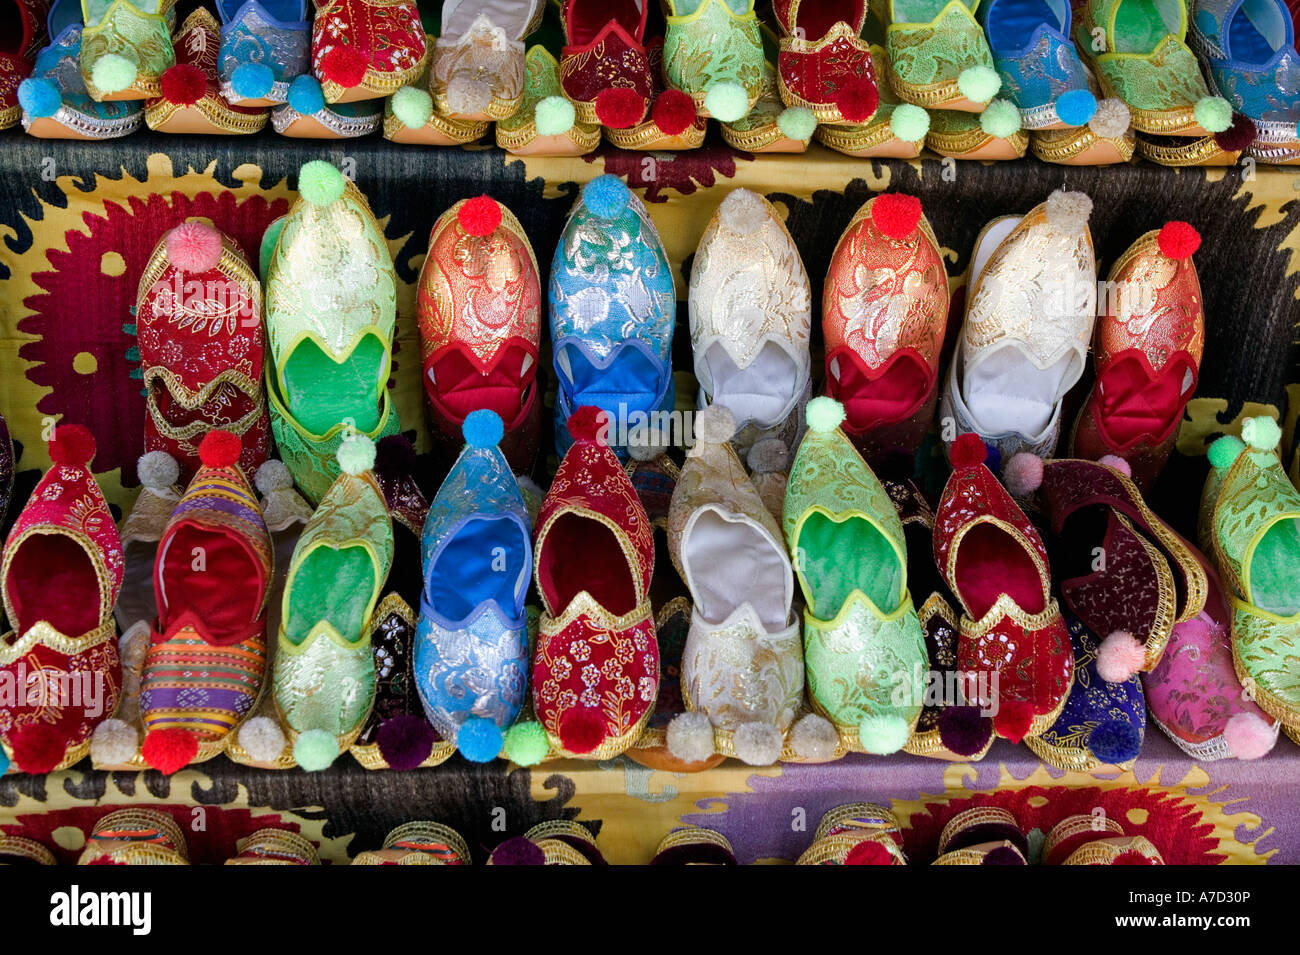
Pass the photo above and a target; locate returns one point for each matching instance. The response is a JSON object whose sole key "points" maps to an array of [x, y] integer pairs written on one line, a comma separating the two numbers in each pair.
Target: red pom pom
{"points": [[1132, 858], [193, 246], [479, 216], [37, 748], [344, 65], [967, 451], [673, 112], [170, 749], [868, 852], [589, 423], [405, 741], [857, 101], [220, 449], [183, 84], [896, 215], [619, 108], [1238, 136], [1178, 240], [581, 730], [73, 445], [1013, 720]]}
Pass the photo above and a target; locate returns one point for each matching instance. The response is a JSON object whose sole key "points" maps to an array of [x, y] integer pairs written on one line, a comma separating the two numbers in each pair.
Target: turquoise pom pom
{"points": [[39, 98], [606, 197], [479, 740], [315, 750], [483, 428], [305, 96], [1076, 107], [252, 80], [4, 761]]}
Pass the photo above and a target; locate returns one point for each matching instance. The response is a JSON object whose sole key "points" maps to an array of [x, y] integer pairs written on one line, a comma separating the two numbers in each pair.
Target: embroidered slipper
{"points": [[330, 358], [366, 49], [411, 117], [18, 52], [1147, 352], [546, 123], [1031, 301], [15, 850], [1096, 840], [207, 661], [471, 649], [694, 846], [324, 670], [884, 315], [418, 843], [770, 126], [863, 644], [1139, 56], [1013, 650], [713, 52], [982, 835], [673, 121], [191, 100], [305, 115], [750, 316], [265, 45], [477, 67], [54, 101], [1040, 70], [742, 667], [1251, 515], [596, 663], [555, 842], [856, 834], [135, 837], [1105, 140], [199, 331], [274, 847], [824, 65], [126, 47], [994, 134], [604, 68], [59, 577], [479, 312], [613, 309], [938, 55], [1218, 149]]}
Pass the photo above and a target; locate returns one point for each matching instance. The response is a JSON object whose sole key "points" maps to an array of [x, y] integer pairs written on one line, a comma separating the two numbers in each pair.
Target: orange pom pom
{"points": [[73, 445], [220, 449], [479, 216], [589, 423], [967, 451]]}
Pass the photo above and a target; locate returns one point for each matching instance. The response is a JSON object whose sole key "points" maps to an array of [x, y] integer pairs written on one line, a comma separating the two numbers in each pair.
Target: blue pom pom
{"points": [[1115, 741], [606, 196], [39, 97], [479, 740], [993, 458], [252, 80], [305, 96], [1076, 107], [483, 428]]}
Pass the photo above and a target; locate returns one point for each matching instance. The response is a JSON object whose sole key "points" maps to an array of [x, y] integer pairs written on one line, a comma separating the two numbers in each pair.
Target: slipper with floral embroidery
{"points": [[604, 69], [477, 66], [126, 47], [366, 49], [546, 124], [191, 100], [18, 52], [265, 44]]}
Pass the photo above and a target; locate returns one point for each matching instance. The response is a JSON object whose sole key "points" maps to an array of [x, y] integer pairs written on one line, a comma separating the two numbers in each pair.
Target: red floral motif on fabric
{"points": [[390, 35]]}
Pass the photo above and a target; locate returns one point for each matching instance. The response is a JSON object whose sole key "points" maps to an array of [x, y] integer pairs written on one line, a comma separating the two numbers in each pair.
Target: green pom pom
{"points": [[979, 84], [1213, 113], [526, 744], [554, 116], [1261, 433], [727, 101], [883, 734], [320, 183], [1000, 119], [412, 106], [796, 122], [1224, 451], [315, 750], [113, 73], [356, 454], [824, 414], [909, 123]]}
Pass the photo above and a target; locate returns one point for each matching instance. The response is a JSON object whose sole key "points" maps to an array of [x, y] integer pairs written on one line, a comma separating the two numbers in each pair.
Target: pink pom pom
{"points": [[1249, 736], [1120, 657], [1023, 474], [1118, 463], [193, 246]]}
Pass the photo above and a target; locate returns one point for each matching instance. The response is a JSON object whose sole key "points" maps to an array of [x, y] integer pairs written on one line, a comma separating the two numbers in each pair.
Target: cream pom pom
{"points": [[114, 743], [814, 738], [262, 738], [690, 737], [157, 470]]}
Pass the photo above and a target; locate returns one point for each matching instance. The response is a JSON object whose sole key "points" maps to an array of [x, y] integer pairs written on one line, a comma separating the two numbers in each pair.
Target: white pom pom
{"points": [[1111, 120], [646, 442], [813, 737], [758, 744], [714, 425], [157, 470], [690, 737], [1068, 211], [743, 212], [769, 456], [273, 476], [262, 739], [114, 742]]}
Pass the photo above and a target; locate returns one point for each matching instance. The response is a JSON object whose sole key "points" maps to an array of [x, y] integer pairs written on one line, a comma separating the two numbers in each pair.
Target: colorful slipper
{"points": [[410, 116], [135, 837], [265, 44], [673, 121], [613, 308], [596, 664], [982, 835], [713, 52], [418, 843], [1105, 140], [480, 314], [198, 328], [305, 115], [15, 850], [471, 649], [545, 124], [603, 67], [1040, 70], [207, 661], [324, 671], [555, 842], [856, 834], [274, 847], [1013, 651], [59, 577], [1096, 840], [477, 68], [994, 134], [938, 55], [824, 65], [770, 126], [366, 49], [742, 666], [694, 846], [191, 100], [884, 315], [126, 47], [1031, 294], [1147, 352], [18, 53], [863, 644]]}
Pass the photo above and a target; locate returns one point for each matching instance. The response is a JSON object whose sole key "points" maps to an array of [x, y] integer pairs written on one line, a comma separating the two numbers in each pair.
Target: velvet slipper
{"points": [[604, 69], [366, 49], [18, 52]]}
